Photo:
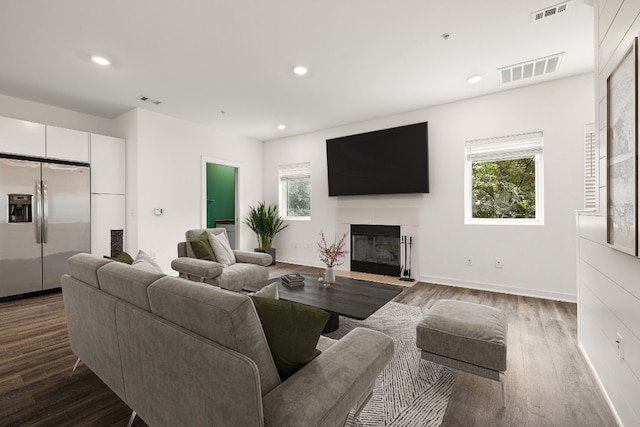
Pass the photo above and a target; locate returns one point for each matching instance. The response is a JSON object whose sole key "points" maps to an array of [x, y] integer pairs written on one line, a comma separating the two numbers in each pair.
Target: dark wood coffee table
{"points": [[357, 299]]}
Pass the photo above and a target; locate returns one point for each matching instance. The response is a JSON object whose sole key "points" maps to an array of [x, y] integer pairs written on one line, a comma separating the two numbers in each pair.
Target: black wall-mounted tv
{"points": [[389, 161]]}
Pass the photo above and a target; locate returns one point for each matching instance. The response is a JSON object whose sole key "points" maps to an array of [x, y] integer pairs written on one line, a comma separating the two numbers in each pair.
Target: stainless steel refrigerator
{"points": [[44, 219]]}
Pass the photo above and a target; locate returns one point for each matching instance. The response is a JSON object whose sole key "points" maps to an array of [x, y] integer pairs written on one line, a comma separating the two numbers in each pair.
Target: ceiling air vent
{"points": [[149, 100], [550, 11], [528, 69]]}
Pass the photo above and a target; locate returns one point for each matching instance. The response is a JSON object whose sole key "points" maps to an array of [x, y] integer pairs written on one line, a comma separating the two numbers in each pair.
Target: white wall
{"points": [[608, 280], [164, 170], [537, 259]]}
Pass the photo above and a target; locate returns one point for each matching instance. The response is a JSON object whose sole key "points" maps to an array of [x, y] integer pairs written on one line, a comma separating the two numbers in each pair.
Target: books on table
{"points": [[293, 279]]}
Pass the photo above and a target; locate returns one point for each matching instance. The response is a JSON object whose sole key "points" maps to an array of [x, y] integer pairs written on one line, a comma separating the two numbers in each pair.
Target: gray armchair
{"points": [[250, 267]]}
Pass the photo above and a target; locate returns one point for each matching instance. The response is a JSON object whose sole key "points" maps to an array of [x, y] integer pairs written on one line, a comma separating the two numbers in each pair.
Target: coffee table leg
{"points": [[332, 323]]}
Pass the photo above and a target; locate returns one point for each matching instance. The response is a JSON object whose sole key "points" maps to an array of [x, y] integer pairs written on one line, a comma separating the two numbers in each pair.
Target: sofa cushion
{"points": [[227, 318], [128, 283], [144, 262], [85, 267], [222, 249], [240, 274], [202, 248], [292, 331]]}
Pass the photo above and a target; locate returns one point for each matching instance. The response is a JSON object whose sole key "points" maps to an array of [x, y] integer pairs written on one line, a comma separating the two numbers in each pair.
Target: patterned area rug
{"points": [[410, 391]]}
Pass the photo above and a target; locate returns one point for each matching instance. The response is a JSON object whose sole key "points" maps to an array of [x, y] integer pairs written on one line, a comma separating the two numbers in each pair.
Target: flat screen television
{"points": [[388, 161]]}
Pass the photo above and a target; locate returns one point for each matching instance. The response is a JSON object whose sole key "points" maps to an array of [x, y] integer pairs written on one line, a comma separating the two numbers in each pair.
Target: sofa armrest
{"points": [[259, 258], [327, 388], [197, 267]]}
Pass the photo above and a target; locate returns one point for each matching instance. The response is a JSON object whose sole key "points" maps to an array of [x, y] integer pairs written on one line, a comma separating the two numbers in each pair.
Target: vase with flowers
{"points": [[331, 255]]}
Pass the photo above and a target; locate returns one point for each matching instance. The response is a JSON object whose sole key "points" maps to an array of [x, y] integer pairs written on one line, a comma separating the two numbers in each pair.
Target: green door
{"points": [[221, 198]]}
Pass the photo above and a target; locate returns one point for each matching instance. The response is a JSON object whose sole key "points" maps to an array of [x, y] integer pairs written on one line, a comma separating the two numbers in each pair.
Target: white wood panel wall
{"points": [[609, 280]]}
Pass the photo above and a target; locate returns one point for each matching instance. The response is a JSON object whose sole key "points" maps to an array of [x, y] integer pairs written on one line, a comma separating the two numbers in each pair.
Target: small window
{"points": [[590, 172], [504, 180], [295, 190]]}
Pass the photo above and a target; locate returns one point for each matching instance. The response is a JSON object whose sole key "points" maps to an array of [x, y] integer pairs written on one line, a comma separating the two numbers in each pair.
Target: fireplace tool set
{"points": [[405, 270]]}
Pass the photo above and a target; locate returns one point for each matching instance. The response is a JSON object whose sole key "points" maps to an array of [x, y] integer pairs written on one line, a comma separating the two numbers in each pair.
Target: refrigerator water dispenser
{"points": [[20, 208]]}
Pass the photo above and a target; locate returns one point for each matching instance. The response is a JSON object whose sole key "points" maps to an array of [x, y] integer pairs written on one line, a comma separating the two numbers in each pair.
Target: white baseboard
{"points": [[491, 287], [602, 389], [301, 262]]}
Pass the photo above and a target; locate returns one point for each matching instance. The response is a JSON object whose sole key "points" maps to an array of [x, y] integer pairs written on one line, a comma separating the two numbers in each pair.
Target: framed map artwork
{"points": [[622, 154]]}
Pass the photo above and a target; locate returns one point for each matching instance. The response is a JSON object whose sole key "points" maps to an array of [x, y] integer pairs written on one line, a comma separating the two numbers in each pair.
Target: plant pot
{"points": [[270, 251]]}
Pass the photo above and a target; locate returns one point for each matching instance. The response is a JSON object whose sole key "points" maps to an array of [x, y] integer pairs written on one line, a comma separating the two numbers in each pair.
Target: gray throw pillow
{"points": [[269, 291], [222, 249], [144, 262]]}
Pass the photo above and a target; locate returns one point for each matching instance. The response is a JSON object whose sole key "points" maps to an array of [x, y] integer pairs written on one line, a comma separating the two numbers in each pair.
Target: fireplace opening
{"points": [[375, 249]]}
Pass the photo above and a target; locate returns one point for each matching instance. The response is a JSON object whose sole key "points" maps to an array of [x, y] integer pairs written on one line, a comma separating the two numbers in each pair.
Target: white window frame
{"points": [[591, 183], [288, 173], [505, 148]]}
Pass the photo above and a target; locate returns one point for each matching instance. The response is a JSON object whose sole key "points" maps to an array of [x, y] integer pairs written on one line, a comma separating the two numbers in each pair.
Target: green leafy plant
{"points": [[266, 222]]}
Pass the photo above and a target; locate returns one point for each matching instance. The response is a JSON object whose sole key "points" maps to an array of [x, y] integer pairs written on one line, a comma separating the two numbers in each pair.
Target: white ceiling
{"points": [[366, 58]]}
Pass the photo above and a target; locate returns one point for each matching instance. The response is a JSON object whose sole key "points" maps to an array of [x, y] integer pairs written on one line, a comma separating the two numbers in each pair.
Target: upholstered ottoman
{"points": [[466, 336]]}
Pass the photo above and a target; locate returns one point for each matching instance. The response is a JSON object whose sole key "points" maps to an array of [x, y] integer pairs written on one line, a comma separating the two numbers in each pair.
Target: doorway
{"points": [[220, 187]]}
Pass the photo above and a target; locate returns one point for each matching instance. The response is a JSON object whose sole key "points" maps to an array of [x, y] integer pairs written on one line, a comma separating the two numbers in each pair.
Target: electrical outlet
{"points": [[498, 262], [152, 254], [468, 260], [620, 346]]}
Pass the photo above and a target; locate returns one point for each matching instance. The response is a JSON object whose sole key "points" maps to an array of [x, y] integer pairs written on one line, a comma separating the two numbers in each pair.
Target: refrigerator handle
{"points": [[45, 212], [38, 211]]}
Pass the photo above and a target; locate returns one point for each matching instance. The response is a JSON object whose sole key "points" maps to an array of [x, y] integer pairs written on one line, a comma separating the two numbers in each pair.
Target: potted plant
{"points": [[266, 222]]}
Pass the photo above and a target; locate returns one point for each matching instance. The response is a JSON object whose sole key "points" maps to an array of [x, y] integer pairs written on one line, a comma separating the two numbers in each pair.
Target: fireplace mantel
{"points": [[403, 216]]}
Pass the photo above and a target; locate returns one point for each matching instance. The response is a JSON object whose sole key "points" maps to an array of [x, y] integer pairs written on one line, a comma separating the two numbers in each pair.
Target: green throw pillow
{"points": [[202, 248], [123, 257], [292, 332]]}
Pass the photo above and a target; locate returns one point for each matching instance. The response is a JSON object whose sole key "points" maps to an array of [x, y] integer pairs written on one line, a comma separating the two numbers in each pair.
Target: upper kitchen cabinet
{"points": [[22, 137], [108, 165], [67, 144]]}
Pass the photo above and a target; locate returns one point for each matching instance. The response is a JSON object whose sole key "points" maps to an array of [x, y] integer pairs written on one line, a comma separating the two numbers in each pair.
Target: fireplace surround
{"points": [[375, 249]]}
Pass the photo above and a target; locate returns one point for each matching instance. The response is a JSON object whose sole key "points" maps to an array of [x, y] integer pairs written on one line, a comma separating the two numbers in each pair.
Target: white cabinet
{"points": [[108, 163], [22, 137], [67, 144], [107, 213]]}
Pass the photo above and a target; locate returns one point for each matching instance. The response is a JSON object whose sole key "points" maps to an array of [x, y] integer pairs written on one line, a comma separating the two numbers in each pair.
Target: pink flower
{"points": [[331, 255]]}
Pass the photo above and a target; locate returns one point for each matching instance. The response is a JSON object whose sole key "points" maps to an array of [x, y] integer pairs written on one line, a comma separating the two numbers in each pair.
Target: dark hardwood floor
{"points": [[548, 381]]}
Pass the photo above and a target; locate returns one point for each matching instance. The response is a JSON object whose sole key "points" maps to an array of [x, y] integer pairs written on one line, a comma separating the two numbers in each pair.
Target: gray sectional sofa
{"points": [[179, 352]]}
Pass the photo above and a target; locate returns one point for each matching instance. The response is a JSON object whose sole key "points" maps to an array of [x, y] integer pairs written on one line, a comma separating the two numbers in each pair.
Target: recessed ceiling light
{"points": [[281, 127], [474, 79], [300, 70], [100, 60]]}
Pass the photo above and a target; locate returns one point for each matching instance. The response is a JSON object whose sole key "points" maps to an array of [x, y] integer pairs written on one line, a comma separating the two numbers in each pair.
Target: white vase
{"points": [[329, 276]]}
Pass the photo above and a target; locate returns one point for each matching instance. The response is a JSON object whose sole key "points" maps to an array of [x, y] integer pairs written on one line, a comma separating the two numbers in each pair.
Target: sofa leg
{"points": [[75, 366], [131, 418], [362, 405], [503, 382]]}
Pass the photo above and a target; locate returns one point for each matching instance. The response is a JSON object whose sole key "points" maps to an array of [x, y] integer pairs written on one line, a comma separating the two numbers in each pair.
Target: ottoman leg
{"points": [[503, 382]]}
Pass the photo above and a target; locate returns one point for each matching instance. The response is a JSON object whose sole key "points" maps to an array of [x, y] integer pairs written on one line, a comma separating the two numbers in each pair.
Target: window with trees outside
{"points": [[504, 180], [295, 191]]}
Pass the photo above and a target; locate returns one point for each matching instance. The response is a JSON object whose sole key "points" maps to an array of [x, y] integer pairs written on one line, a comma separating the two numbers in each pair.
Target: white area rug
{"points": [[410, 391]]}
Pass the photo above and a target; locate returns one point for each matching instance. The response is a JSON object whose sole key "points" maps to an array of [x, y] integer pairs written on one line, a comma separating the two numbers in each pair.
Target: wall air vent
{"points": [[550, 11], [528, 69], [149, 100]]}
